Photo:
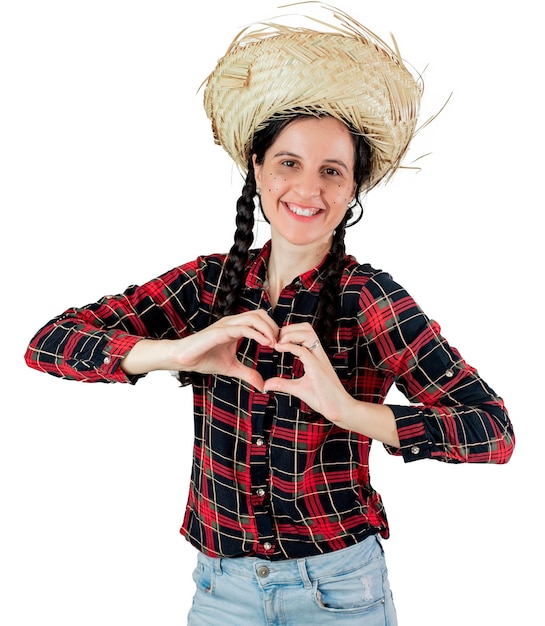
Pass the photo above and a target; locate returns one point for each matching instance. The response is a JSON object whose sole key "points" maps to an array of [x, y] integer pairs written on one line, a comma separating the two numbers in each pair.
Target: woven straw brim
{"points": [[349, 76]]}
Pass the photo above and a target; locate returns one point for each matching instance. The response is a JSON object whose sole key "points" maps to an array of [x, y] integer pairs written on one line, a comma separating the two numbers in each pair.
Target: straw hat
{"points": [[343, 70]]}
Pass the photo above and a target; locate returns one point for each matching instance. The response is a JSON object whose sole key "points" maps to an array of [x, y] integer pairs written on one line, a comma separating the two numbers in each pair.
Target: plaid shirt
{"points": [[270, 477]]}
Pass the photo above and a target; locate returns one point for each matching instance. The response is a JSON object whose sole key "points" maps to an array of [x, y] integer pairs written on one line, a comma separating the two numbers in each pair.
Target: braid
{"points": [[232, 279], [329, 302]]}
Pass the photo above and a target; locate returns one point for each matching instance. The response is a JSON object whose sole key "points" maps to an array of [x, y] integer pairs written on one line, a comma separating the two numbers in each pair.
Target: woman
{"points": [[292, 348]]}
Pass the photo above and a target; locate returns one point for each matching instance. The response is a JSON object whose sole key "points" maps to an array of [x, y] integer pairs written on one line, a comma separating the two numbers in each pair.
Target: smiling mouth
{"points": [[303, 212]]}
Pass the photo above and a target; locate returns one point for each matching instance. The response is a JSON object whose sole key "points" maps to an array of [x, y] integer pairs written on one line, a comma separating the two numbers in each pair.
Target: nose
{"points": [[308, 184]]}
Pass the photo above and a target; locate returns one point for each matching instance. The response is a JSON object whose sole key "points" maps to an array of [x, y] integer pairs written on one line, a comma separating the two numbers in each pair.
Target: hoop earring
{"points": [[357, 203]]}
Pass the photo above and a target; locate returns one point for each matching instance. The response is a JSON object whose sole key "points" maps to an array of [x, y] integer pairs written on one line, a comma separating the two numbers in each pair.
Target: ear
{"points": [[257, 171]]}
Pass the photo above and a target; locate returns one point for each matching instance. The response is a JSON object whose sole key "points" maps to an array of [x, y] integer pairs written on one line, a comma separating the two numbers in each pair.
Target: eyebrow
{"points": [[297, 156]]}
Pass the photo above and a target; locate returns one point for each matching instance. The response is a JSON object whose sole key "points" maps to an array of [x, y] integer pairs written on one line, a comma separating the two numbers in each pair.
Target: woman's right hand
{"points": [[212, 350]]}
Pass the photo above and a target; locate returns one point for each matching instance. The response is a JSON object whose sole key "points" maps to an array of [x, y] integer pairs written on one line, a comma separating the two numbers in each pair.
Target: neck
{"points": [[286, 262]]}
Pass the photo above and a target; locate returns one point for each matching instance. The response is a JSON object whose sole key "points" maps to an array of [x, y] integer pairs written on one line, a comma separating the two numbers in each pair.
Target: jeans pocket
{"points": [[204, 578], [358, 591]]}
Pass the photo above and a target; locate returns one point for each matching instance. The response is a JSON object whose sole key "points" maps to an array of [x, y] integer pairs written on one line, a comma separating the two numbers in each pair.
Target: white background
{"points": [[109, 176]]}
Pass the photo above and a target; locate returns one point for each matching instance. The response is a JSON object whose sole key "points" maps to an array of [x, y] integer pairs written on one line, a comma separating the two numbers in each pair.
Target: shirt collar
{"points": [[257, 271]]}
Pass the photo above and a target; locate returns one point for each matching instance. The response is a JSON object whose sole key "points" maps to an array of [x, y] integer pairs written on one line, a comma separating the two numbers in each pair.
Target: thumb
{"points": [[249, 375], [284, 385]]}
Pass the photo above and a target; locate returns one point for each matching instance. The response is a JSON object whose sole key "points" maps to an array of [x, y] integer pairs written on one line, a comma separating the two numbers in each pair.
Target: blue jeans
{"points": [[344, 588]]}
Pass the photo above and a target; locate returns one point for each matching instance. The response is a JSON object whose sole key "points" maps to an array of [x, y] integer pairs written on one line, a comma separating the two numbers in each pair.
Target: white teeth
{"points": [[303, 212]]}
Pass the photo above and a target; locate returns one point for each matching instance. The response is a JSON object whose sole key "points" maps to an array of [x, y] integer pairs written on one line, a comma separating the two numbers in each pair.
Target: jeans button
{"points": [[263, 571]]}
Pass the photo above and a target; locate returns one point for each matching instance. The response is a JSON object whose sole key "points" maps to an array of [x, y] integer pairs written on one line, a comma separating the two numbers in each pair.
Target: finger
{"points": [[306, 357], [257, 320], [259, 317], [251, 376], [298, 349], [283, 385], [263, 315], [300, 336], [231, 331], [253, 333], [298, 326]]}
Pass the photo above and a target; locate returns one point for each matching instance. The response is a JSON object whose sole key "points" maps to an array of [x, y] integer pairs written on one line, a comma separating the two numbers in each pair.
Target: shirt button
{"points": [[267, 545], [415, 449], [107, 360], [449, 373], [263, 571], [260, 492], [260, 442]]}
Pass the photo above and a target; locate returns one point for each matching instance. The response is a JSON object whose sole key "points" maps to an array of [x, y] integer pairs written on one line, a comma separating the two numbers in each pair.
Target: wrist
{"points": [[348, 414], [376, 421], [151, 354]]}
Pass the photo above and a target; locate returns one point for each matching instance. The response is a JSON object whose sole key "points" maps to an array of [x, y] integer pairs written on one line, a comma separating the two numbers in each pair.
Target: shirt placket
{"points": [[263, 414], [259, 474]]}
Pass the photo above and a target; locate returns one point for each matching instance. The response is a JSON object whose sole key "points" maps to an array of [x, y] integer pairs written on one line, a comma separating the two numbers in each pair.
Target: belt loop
{"points": [[217, 566], [302, 564]]}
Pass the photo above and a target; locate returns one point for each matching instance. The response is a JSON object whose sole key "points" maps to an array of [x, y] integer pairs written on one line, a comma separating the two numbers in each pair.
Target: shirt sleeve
{"points": [[454, 415], [89, 343]]}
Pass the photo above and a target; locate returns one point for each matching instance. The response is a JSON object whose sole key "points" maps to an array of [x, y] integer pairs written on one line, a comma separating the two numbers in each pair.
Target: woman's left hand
{"points": [[322, 390], [319, 387]]}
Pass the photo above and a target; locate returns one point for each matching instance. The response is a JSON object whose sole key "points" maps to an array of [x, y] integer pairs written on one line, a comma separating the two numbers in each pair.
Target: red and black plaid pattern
{"points": [[270, 477]]}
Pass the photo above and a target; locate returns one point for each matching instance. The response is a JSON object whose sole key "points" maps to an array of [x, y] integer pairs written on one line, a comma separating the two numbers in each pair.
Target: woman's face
{"points": [[307, 180]]}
